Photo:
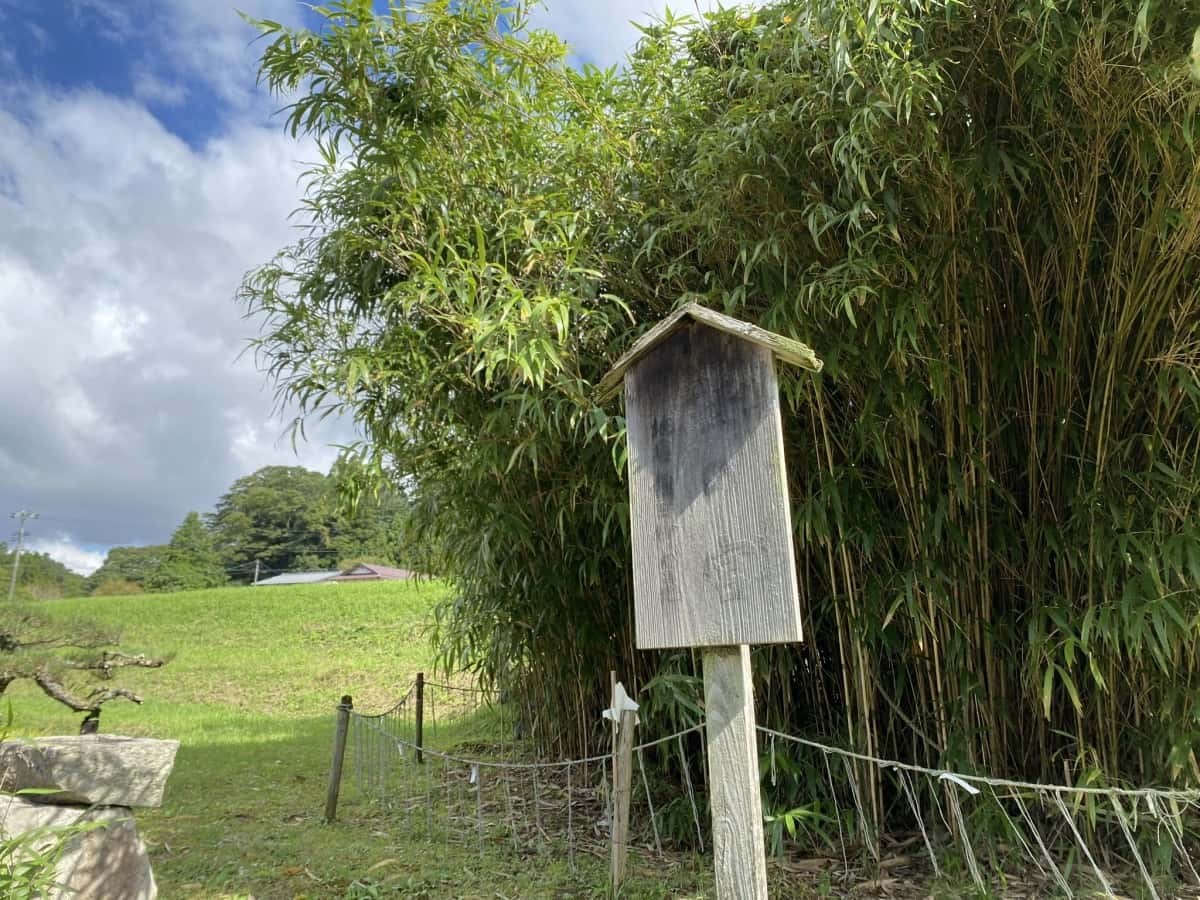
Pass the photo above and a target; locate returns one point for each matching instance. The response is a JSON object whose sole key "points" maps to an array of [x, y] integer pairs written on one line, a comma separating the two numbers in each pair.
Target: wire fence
{"points": [[491, 792], [461, 773]]}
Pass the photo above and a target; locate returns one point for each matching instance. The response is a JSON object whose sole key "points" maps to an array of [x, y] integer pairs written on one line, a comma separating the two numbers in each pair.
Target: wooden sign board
{"points": [[713, 565], [712, 539]]}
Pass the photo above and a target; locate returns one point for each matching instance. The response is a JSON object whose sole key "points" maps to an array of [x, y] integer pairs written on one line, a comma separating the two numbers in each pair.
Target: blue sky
{"points": [[142, 173]]}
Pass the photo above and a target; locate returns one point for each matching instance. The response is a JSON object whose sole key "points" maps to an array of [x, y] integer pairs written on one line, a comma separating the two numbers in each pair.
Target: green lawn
{"points": [[250, 691]]}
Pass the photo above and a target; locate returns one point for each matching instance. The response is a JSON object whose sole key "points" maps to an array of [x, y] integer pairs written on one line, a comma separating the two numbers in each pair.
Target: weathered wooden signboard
{"points": [[713, 563]]}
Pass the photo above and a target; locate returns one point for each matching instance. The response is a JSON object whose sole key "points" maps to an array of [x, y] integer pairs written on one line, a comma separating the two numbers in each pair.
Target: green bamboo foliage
{"points": [[985, 217], [995, 249]]}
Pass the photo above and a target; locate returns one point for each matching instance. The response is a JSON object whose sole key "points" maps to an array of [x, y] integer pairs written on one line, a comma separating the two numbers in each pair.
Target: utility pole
{"points": [[21, 516], [256, 572]]}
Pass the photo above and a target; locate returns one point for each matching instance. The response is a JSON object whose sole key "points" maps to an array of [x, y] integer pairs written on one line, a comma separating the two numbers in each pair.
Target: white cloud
{"points": [[121, 249], [70, 554], [602, 31], [114, 328], [112, 20], [149, 88], [208, 40]]}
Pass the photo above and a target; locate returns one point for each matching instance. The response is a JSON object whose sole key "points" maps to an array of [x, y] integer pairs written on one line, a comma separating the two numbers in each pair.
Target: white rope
{"points": [[1062, 807], [1174, 825], [837, 813], [1037, 836], [1184, 796], [968, 850], [650, 804], [384, 739], [403, 743], [1133, 846], [863, 825], [912, 803], [1016, 830], [399, 704], [687, 777]]}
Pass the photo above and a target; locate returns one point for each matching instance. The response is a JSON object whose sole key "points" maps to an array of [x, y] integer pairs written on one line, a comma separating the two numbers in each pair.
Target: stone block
{"points": [[103, 769], [105, 862], [22, 767]]}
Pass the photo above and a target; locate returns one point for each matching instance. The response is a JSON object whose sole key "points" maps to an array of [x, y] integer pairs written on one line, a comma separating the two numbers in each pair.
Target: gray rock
{"points": [[23, 767], [95, 768], [101, 863]]}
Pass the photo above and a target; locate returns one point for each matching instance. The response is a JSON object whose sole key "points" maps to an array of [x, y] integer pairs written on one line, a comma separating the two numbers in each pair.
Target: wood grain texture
{"points": [[622, 788], [339, 755], [739, 850], [713, 562], [785, 348]]}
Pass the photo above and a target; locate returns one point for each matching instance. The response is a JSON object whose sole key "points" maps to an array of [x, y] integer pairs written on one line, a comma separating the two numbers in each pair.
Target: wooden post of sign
{"points": [[339, 754], [738, 845], [713, 562], [622, 788]]}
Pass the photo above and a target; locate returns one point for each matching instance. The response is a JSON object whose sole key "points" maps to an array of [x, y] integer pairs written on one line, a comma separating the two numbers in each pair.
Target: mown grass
{"points": [[250, 693]]}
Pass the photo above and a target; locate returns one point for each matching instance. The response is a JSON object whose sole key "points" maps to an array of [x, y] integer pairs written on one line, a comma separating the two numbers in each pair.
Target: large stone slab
{"points": [[95, 768], [102, 863], [23, 767]]}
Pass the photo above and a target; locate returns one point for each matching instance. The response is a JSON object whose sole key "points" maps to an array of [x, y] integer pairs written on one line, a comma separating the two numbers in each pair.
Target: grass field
{"points": [[250, 693]]}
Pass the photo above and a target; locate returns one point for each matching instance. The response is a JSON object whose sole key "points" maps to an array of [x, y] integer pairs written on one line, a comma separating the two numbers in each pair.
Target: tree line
{"points": [[278, 519]]}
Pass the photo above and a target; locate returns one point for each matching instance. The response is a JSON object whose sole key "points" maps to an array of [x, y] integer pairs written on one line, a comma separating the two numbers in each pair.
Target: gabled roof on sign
{"points": [[784, 348]]}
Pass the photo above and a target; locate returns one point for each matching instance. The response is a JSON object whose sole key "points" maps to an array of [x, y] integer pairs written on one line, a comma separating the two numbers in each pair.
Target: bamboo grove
{"points": [[985, 216]]}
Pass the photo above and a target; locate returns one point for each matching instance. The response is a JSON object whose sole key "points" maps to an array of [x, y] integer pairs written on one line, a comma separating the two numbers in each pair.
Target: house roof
{"points": [[298, 578], [784, 348], [371, 570]]}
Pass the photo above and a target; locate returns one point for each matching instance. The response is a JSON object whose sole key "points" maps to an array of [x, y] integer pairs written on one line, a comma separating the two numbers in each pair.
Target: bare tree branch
{"points": [[55, 689], [113, 660], [103, 695]]}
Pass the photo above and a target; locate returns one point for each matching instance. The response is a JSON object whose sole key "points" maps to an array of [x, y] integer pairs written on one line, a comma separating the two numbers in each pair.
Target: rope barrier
{"points": [[531, 766], [532, 803], [400, 704], [1192, 796]]}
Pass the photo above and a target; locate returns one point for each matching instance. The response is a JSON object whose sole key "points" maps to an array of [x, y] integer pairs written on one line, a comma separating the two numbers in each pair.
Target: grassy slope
{"points": [[250, 692]]}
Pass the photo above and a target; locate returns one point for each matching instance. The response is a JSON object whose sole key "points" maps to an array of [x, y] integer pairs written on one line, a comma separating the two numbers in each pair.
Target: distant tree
{"points": [[368, 517], [40, 577], [132, 564], [289, 518], [274, 516], [117, 587], [190, 562]]}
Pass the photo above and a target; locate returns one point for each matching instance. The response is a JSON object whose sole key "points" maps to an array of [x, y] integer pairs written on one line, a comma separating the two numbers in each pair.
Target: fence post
{"points": [[420, 735], [339, 754], [622, 780]]}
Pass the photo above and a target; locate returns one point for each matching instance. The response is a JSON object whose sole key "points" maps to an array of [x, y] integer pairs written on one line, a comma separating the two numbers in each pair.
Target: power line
{"points": [[21, 515]]}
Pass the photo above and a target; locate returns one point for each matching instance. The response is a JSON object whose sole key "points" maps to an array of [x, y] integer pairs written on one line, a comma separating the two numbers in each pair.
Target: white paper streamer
{"points": [[621, 701]]}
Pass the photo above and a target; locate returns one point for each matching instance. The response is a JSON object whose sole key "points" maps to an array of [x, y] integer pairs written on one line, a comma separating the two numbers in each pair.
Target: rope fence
{"points": [[464, 776]]}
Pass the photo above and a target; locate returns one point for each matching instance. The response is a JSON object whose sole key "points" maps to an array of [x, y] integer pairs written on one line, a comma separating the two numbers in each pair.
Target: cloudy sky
{"points": [[141, 174]]}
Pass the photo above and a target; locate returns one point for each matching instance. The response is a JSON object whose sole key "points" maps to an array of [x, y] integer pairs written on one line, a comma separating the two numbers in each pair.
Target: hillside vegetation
{"points": [[250, 692]]}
